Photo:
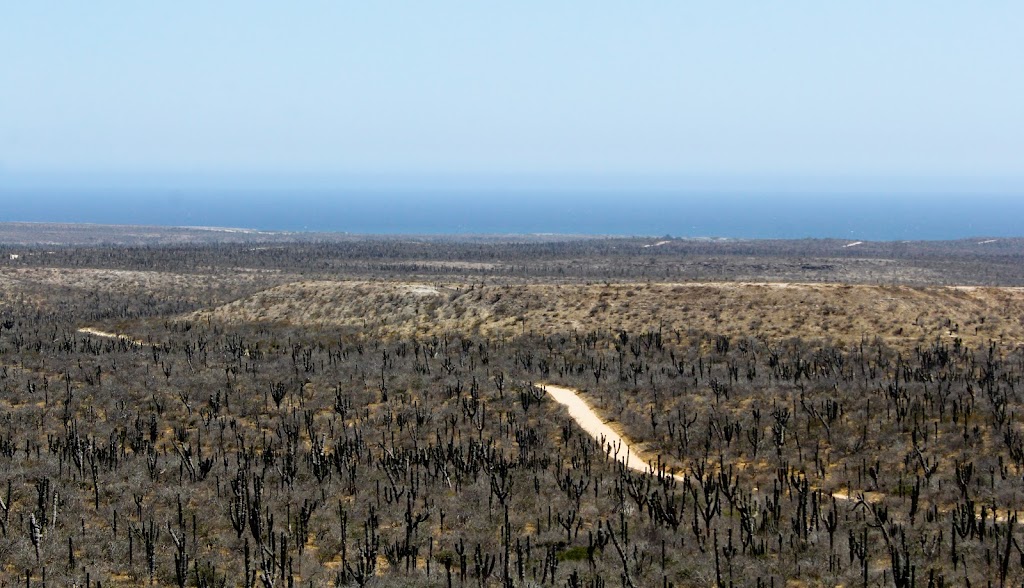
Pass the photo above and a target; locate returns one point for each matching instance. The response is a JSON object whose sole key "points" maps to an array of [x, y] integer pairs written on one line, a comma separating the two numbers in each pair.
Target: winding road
{"points": [[625, 452]]}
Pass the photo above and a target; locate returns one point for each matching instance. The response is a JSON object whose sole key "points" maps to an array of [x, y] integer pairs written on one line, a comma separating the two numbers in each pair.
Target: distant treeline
{"points": [[978, 261]]}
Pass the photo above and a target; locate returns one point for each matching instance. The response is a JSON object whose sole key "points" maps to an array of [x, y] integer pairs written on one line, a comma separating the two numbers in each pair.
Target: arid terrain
{"points": [[458, 412], [842, 314]]}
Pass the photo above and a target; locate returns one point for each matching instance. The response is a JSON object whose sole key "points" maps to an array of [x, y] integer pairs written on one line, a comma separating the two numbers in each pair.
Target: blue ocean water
{"points": [[737, 215]]}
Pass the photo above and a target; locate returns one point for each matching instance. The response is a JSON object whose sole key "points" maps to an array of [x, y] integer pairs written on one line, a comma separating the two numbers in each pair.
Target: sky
{"points": [[830, 95]]}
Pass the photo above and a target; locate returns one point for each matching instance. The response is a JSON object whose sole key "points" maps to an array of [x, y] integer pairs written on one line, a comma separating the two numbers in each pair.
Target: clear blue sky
{"points": [[923, 93]]}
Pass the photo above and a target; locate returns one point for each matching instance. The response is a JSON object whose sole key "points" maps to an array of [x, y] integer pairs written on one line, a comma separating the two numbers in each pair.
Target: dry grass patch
{"points": [[844, 313]]}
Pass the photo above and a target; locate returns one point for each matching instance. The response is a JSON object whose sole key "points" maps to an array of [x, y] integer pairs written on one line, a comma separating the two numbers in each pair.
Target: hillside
{"points": [[386, 413], [898, 315]]}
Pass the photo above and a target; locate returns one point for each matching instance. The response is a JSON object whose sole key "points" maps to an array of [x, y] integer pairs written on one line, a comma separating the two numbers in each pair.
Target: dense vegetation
{"points": [[978, 261], [204, 453]]}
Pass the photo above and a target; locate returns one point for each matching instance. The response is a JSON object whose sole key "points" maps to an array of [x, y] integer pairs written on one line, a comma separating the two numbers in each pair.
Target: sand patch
{"points": [[422, 290]]}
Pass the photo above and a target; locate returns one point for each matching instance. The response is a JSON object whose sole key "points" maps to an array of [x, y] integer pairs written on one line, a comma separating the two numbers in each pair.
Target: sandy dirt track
{"points": [[106, 335], [599, 429], [623, 450]]}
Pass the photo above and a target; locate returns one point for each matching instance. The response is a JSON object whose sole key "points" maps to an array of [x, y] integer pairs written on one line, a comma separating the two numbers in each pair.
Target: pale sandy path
{"points": [[625, 452], [585, 417], [106, 335]]}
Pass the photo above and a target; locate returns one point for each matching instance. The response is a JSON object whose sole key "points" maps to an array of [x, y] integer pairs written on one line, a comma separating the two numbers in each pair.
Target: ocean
{"points": [[875, 217]]}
